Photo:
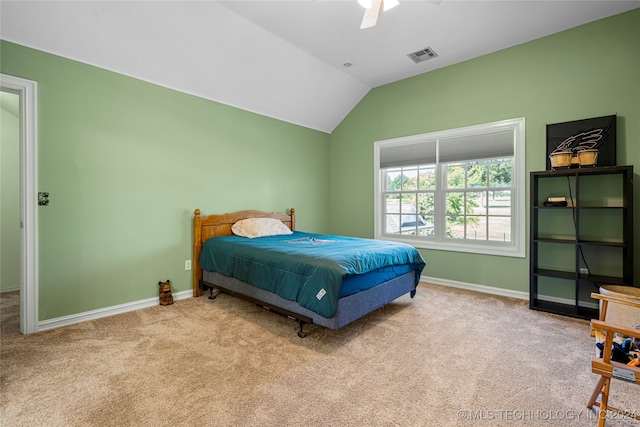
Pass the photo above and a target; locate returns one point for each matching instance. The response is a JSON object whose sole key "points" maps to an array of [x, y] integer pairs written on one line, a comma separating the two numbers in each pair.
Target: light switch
{"points": [[43, 199]]}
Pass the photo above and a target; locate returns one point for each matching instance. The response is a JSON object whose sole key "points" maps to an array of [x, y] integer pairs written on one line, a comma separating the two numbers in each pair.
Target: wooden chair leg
{"points": [[596, 392], [602, 416]]}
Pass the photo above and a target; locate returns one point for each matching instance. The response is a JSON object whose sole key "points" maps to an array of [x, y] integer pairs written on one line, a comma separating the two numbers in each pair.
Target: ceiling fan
{"points": [[372, 9]]}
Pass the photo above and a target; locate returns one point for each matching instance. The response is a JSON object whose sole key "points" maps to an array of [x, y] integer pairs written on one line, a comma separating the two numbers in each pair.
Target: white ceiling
{"points": [[284, 59]]}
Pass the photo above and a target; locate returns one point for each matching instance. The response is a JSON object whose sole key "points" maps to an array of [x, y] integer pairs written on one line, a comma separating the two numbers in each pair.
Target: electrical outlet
{"points": [[584, 270], [187, 265]]}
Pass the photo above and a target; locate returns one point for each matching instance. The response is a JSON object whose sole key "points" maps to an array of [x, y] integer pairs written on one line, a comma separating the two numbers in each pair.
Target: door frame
{"points": [[27, 90]]}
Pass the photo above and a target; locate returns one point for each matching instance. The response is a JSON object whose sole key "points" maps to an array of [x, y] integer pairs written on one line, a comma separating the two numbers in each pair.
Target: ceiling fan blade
{"points": [[370, 17], [389, 4]]}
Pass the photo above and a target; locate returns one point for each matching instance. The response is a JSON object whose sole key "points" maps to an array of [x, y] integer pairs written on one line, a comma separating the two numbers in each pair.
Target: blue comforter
{"points": [[304, 267]]}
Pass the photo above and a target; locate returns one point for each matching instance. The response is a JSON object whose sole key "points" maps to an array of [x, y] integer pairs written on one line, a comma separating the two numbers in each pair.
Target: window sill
{"points": [[474, 247]]}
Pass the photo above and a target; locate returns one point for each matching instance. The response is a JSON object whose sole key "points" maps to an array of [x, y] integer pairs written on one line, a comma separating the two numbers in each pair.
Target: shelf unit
{"points": [[589, 243]]}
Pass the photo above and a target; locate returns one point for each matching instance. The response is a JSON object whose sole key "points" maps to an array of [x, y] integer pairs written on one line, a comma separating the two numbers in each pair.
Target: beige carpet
{"points": [[446, 358]]}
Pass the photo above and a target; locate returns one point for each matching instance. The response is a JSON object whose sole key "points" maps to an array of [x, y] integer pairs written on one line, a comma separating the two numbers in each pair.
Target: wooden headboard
{"points": [[220, 225]]}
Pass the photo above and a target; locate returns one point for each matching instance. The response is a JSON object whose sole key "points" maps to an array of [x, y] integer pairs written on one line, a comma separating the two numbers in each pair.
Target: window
{"points": [[459, 189]]}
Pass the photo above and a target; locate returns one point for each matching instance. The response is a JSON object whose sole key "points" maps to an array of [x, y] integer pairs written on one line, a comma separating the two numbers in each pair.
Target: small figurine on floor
{"points": [[165, 293]]}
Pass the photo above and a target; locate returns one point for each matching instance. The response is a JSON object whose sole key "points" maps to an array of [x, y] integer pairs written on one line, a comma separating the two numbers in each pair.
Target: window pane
{"points": [[455, 203], [393, 203], [455, 175], [410, 179], [499, 203], [427, 179], [476, 174], [426, 204], [394, 179], [392, 225], [476, 228], [476, 203], [408, 204], [500, 173], [455, 227], [500, 229], [411, 220], [427, 229]]}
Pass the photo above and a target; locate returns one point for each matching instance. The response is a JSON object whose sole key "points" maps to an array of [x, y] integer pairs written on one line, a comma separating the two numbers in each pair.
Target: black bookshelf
{"points": [[579, 247]]}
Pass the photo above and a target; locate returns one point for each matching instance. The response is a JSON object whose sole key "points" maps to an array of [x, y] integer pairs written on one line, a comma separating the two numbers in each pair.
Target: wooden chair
{"points": [[605, 367]]}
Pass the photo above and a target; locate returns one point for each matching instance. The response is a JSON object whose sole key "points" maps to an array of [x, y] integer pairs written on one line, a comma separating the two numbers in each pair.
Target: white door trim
{"points": [[28, 92]]}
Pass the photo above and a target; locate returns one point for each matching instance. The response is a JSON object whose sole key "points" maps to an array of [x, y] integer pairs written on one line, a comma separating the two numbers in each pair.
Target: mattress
{"points": [[313, 270]]}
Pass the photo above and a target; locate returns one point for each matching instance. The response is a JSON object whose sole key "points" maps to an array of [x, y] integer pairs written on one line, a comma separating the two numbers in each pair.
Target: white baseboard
{"points": [[107, 311], [500, 291], [150, 302], [475, 287]]}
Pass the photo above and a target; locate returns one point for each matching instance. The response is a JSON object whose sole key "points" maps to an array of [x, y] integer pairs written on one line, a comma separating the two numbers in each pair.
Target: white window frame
{"points": [[515, 248]]}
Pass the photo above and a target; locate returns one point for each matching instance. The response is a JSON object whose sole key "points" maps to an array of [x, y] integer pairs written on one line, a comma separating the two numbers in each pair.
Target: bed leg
{"points": [[213, 292], [301, 333]]}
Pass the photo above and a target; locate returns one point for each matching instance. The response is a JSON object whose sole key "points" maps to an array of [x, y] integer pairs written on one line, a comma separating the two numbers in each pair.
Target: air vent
{"points": [[422, 55]]}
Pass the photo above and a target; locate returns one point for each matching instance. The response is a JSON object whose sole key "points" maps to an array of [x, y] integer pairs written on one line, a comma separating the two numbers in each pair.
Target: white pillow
{"points": [[259, 227]]}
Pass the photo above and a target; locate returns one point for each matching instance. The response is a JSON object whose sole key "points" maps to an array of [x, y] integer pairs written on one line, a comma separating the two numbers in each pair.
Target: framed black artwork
{"points": [[587, 135]]}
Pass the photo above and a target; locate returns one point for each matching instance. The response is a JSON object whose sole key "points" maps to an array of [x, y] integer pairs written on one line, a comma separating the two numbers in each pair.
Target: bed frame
{"points": [[220, 225], [349, 309]]}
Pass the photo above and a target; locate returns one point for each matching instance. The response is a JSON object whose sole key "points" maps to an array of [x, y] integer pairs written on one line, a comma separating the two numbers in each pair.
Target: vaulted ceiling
{"points": [[285, 59]]}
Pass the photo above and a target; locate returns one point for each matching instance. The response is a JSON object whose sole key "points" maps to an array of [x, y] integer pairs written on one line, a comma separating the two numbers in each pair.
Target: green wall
{"points": [[589, 71], [126, 163]]}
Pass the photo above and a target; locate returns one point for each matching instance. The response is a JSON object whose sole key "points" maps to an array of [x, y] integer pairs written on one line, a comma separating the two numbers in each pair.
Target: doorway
{"points": [[21, 103], [10, 209]]}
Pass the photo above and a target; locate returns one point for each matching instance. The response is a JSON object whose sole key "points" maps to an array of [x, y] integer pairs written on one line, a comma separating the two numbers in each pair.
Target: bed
{"points": [[313, 279]]}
